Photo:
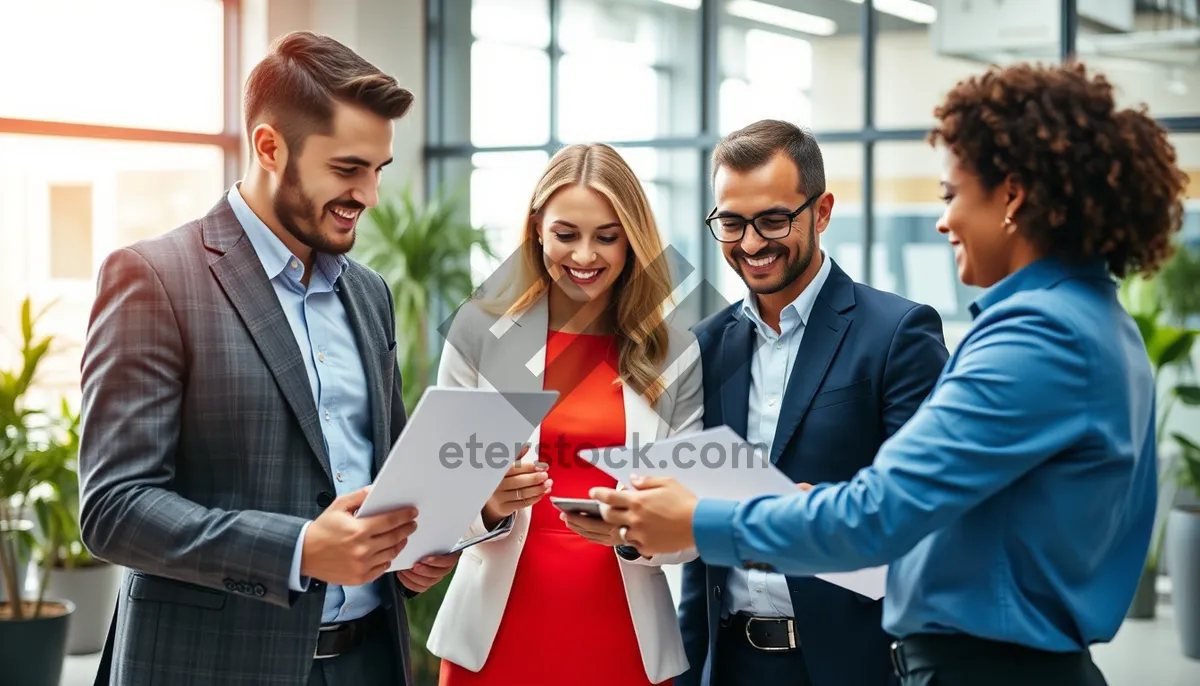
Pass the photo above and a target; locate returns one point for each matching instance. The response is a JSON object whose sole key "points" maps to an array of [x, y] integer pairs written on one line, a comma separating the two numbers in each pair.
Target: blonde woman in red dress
{"points": [[558, 599]]}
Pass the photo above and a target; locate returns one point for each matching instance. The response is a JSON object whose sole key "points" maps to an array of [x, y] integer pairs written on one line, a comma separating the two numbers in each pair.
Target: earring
{"points": [[1008, 223]]}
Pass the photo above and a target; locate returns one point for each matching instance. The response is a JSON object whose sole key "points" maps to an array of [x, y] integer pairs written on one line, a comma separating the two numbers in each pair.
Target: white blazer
{"points": [[486, 351]]}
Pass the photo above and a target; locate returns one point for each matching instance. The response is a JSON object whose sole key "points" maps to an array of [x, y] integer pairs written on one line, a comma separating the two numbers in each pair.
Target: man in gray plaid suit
{"points": [[240, 392]]}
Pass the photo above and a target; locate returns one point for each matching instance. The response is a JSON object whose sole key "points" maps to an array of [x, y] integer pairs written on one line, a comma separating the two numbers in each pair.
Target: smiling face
{"points": [[584, 246], [322, 193], [986, 247], [771, 191]]}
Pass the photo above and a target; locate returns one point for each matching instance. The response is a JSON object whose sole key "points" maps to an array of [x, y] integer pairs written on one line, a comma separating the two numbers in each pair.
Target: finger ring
{"points": [[621, 532]]}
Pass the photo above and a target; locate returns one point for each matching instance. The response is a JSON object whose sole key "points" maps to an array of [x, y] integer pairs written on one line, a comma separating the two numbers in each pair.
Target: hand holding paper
{"points": [[450, 458]]}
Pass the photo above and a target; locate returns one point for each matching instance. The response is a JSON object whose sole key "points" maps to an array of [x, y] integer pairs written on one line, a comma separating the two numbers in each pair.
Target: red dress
{"points": [[567, 618]]}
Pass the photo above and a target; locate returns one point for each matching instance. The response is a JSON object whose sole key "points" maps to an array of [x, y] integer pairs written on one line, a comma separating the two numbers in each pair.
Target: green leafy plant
{"points": [[36, 454], [423, 252], [1179, 284], [1169, 347]]}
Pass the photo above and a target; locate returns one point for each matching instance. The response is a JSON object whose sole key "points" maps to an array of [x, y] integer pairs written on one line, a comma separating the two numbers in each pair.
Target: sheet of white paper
{"points": [[449, 458], [717, 463]]}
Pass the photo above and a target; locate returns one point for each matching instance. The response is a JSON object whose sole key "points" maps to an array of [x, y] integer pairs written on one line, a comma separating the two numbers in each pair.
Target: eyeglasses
{"points": [[771, 225]]}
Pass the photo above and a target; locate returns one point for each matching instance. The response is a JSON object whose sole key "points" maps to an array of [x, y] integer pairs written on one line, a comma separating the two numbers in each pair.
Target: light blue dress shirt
{"points": [[1017, 504], [765, 594], [335, 372]]}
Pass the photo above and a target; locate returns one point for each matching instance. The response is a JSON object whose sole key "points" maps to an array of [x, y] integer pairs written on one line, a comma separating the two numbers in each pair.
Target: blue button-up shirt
{"points": [[760, 593], [1017, 504], [335, 372]]}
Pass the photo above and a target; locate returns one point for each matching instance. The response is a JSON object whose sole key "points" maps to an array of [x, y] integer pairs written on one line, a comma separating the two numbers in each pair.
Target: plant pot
{"points": [[8, 540], [93, 591], [32, 650], [1183, 562], [1145, 598]]}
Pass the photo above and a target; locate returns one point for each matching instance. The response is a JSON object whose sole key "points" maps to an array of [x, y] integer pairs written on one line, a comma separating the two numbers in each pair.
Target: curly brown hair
{"points": [[1098, 181]]}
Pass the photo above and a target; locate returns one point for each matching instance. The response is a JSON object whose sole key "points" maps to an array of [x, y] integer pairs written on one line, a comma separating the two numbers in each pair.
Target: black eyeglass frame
{"points": [[752, 221]]}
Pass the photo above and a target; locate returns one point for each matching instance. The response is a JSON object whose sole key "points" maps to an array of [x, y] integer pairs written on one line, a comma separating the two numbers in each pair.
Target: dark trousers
{"points": [[958, 660], [738, 663], [372, 663]]}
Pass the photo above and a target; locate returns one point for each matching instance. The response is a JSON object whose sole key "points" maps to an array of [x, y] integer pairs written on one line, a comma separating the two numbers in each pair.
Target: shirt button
{"points": [[779, 346], [338, 476], [295, 264], [770, 403], [326, 415], [321, 356]]}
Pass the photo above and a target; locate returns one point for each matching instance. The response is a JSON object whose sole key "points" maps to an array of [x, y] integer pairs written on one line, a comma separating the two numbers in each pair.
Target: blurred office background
{"points": [[120, 120]]}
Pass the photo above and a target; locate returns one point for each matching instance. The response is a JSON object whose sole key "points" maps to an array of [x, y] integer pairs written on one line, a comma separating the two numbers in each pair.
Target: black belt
{"points": [[929, 651], [764, 633], [337, 639]]}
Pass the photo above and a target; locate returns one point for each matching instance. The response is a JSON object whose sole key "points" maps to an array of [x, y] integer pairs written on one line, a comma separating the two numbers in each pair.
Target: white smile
{"points": [[582, 275], [344, 213], [761, 261]]}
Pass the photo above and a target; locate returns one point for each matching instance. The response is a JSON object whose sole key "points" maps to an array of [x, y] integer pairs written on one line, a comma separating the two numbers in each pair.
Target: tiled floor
{"points": [[1144, 653]]}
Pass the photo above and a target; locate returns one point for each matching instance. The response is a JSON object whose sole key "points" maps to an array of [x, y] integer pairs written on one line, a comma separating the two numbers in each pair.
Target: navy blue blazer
{"points": [[867, 361]]}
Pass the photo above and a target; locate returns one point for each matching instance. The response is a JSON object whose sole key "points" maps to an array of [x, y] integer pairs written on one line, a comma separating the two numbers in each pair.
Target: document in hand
{"points": [[450, 457], [718, 463]]}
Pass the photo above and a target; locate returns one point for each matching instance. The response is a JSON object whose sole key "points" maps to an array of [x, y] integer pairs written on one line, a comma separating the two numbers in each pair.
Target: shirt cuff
{"points": [[294, 581], [506, 523], [712, 527]]}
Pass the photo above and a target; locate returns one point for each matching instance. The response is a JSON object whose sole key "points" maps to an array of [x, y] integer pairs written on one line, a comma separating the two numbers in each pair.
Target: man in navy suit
{"points": [[818, 369]]}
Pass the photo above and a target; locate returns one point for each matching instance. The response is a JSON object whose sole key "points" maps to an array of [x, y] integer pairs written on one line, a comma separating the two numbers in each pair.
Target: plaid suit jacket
{"points": [[201, 456]]}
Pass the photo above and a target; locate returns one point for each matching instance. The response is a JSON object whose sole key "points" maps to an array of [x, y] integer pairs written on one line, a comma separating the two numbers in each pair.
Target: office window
{"points": [[921, 52], [909, 256], [655, 78], [137, 63], [70, 231], [628, 70], [59, 222], [780, 62]]}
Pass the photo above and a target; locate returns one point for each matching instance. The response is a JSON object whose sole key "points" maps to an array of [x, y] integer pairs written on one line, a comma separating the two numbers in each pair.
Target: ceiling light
{"points": [[917, 12], [685, 4], [782, 17]]}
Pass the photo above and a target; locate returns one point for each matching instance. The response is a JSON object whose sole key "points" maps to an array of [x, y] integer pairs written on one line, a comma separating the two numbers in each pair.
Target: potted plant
{"points": [[90, 584], [33, 631], [1161, 307], [1183, 550], [423, 253]]}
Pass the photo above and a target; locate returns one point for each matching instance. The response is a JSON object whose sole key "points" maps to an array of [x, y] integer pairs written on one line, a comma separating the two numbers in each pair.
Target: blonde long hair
{"points": [[641, 292]]}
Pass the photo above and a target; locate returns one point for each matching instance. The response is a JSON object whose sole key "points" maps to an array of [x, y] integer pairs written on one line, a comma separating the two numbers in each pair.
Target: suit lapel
{"points": [[827, 326], [352, 292], [737, 350], [240, 273]]}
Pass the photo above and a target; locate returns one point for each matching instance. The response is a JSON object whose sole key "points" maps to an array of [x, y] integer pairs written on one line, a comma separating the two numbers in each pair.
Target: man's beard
{"points": [[294, 209], [793, 268]]}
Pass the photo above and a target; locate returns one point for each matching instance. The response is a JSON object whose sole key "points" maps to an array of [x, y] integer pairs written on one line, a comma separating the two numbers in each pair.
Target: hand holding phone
{"points": [[578, 506]]}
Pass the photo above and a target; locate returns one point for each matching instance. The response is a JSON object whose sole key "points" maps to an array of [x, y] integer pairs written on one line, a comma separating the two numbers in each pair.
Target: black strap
{"points": [[104, 671], [933, 651]]}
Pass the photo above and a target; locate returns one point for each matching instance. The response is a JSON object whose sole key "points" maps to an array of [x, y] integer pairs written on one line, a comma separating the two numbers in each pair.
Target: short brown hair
{"points": [[295, 86], [753, 146], [1099, 182]]}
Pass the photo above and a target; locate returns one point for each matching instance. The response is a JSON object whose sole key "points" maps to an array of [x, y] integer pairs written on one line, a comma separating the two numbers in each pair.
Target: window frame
{"points": [[438, 149]]}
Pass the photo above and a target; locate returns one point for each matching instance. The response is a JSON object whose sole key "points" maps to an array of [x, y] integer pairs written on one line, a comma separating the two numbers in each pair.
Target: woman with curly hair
{"points": [[1015, 509]]}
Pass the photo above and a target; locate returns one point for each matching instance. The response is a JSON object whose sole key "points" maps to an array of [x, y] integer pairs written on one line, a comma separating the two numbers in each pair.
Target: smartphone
{"points": [[463, 545], [578, 506]]}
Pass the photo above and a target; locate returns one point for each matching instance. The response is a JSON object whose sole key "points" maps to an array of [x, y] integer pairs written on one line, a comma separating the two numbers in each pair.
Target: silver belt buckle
{"points": [[317, 651], [791, 633]]}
